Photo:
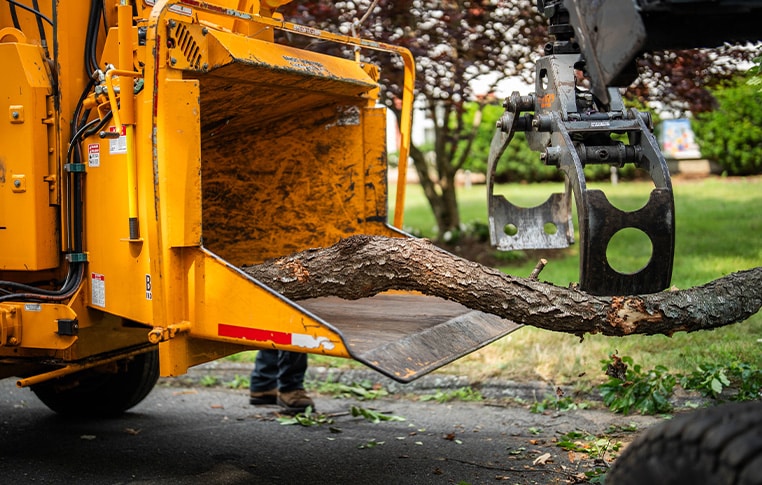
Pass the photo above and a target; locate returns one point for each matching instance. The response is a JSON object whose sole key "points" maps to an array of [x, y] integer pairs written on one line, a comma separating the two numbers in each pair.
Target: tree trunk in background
{"points": [[440, 193], [362, 266]]}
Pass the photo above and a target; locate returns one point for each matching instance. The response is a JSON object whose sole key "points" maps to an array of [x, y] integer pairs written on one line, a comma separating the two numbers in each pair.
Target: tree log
{"points": [[362, 266]]}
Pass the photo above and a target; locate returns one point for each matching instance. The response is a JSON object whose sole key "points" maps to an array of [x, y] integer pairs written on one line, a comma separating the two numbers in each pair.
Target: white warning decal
{"points": [[98, 290], [94, 155], [117, 146]]}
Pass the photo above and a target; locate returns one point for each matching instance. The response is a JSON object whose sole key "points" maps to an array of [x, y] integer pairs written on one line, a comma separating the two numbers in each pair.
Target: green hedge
{"points": [[731, 135]]}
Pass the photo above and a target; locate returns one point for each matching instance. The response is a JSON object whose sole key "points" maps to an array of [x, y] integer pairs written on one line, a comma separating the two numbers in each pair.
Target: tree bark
{"points": [[362, 266]]}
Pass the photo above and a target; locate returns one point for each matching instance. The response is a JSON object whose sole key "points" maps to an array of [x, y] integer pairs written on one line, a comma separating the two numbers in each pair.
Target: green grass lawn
{"points": [[718, 231]]}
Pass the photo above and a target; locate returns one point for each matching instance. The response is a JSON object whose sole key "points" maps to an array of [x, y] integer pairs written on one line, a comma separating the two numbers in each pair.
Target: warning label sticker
{"points": [[117, 146], [94, 155], [98, 292]]}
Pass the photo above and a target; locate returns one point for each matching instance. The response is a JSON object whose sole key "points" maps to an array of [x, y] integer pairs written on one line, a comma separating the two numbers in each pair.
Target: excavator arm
{"points": [[612, 34]]}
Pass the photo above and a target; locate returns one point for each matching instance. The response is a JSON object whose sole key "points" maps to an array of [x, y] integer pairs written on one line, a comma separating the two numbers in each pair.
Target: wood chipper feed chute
{"points": [[292, 156], [292, 150]]}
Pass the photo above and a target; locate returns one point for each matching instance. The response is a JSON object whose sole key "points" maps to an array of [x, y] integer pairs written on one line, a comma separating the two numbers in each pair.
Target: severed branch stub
{"points": [[538, 269], [362, 266]]}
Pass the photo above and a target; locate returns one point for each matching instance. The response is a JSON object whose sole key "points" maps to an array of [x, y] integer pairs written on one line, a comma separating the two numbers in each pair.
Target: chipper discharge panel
{"points": [[152, 148]]}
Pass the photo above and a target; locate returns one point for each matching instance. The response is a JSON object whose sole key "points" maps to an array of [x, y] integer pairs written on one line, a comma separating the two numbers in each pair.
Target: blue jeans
{"points": [[278, 369]]}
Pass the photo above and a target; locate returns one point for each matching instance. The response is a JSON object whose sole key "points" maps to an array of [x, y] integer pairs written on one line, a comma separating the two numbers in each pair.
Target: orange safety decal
{"points": [[547, 100], [278, 338]]}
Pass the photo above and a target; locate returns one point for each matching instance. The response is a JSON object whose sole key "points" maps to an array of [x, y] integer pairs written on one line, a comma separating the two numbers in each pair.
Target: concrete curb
{"points": [[429, 384], [491, 389]]}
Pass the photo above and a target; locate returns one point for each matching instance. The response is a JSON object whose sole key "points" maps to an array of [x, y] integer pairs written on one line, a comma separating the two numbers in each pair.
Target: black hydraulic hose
{"points": [[14, 15], [77, 269], [75, 139], [103, 122], [105, 18], [75, 119], [91, 39], [41, 28], [34, 289], [40, 16], [73, 151], [77, 189], [78, 212]]}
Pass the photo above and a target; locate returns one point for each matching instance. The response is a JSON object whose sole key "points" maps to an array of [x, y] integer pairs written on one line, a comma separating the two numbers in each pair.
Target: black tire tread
{"points": [[719, 446]]}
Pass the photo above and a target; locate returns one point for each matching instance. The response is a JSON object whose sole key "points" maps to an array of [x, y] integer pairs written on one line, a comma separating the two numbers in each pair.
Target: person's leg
{"points": [[263, 382], [291, 369], [291, 394]]}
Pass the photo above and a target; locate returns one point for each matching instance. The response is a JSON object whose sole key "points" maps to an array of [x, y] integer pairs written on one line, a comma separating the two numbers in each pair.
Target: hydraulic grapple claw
{"points": [[571, 129], [548, 225]]}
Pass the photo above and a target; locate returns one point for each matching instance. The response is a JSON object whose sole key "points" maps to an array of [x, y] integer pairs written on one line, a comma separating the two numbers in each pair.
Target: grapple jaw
{"points": [[571, 128]]}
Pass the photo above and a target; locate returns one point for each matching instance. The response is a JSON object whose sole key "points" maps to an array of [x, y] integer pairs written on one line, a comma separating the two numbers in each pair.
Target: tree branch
{"points": [[362, 266]]}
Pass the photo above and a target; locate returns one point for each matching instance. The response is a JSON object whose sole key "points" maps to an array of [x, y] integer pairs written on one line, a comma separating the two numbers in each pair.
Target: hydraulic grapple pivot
{"points": [[571, 128]]}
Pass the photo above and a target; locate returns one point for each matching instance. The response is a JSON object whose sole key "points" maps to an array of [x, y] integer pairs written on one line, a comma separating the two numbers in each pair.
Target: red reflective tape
{"points": [[246, 333]]}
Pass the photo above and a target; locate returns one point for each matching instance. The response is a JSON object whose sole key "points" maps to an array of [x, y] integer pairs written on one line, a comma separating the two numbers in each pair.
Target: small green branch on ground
{"points": [[632, 389], [463, 394]]}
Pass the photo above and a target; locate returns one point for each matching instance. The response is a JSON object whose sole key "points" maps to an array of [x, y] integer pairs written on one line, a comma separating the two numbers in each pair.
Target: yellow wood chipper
{"points": [[152, 148]]}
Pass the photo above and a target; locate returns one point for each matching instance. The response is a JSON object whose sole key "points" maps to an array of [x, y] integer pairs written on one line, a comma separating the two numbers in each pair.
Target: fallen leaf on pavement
{"points": [[542, 459]]}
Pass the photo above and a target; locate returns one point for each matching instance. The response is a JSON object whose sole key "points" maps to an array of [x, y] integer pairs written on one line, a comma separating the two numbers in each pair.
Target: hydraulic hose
{"points": [[76, 269], [15, 291]]}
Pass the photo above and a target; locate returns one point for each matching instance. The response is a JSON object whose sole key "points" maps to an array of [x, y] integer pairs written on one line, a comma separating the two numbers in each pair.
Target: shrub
{"points": [[731, 135], [712, 379], [630, 388]]}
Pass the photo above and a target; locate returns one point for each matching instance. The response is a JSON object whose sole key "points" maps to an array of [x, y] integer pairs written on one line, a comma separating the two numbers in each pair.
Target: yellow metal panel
{"points": [[40, 325], [233, 307], [292, 67], [28, 223], [119, 279], [188, 46], [181, 134], [230, 307], [376, 167]]}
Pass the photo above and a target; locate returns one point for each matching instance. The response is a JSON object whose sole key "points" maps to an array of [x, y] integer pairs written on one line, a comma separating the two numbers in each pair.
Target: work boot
{"points": [[258, 398], [295, 401]]}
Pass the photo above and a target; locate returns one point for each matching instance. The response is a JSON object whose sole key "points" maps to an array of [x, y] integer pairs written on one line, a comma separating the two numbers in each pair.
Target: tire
{"points": [[718, 446], [99, 392]]}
